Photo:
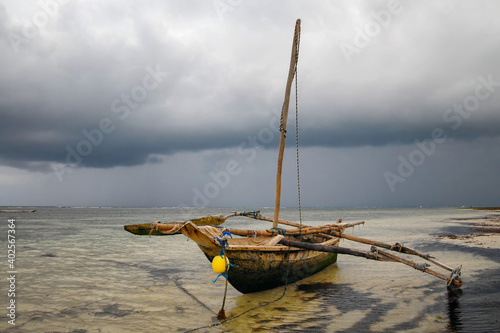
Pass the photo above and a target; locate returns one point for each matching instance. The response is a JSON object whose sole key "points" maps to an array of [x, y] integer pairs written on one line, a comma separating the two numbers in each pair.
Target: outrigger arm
{"points": [[376, 254]]}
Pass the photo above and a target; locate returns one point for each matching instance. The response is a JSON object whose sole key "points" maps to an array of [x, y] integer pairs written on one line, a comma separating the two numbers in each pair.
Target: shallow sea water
{"points": [[79, 271]]}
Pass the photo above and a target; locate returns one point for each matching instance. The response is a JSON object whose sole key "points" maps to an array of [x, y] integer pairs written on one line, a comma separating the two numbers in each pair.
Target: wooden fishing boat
{"points": [[257, 260], [260, 263]]}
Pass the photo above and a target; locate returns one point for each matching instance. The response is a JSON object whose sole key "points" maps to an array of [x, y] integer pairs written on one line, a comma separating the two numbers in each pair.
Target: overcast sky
{"points": [[176, 103]]}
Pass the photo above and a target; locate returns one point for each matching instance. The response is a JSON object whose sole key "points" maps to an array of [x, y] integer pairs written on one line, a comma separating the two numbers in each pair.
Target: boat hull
{"points": [[261, 267], [262, 270]]}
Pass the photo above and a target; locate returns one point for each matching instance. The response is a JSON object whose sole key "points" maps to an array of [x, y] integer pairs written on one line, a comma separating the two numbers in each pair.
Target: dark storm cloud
{"points": [[115, 84]]}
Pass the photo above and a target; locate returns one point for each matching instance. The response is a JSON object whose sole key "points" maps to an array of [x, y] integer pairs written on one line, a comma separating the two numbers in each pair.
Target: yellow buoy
{"points": [[219, 264]]}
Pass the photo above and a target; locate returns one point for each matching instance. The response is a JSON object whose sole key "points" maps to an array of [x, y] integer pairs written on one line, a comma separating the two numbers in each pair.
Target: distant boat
{"points": [[17, 210]]}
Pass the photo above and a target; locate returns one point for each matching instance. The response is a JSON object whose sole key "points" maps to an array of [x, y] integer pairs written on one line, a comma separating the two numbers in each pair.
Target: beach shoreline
{"points": [[483, 232]]}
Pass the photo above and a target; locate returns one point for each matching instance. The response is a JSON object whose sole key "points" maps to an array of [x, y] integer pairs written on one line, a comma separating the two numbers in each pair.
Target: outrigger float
{"points": [[256, 260]]}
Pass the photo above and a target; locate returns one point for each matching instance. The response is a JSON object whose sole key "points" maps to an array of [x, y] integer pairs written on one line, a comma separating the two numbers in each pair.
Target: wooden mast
{"points": [[284, 118]]}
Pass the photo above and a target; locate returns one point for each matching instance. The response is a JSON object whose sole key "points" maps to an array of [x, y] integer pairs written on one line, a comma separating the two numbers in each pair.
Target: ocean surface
{"points": [[77, 270]]}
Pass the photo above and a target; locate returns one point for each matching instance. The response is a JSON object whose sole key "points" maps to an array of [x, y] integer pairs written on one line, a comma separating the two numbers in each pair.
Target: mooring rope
{"points": [[221, 315], [285, 287]]}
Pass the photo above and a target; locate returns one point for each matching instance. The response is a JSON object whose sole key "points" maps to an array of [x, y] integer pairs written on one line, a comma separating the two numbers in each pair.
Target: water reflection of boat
{"points": [[454, 312]]}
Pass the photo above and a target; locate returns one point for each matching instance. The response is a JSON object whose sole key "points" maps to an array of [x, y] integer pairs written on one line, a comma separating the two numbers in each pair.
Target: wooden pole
{"points": [[418, 267], [284, 114], [396, 247], [289, 232], [330, 249], [375, 254]]}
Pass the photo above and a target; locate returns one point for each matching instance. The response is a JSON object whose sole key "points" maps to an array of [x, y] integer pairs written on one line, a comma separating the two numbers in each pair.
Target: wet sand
{"points": [[482, 232]]}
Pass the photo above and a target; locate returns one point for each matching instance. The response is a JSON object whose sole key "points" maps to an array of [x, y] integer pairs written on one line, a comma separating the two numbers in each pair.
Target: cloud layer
{"points": [[122, 83]]}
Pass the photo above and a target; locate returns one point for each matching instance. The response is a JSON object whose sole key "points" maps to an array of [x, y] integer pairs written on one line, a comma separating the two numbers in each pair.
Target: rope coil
{"points": [[280, 231]]}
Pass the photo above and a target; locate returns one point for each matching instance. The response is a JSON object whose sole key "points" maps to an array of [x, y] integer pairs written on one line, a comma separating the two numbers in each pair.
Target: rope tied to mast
{"points": [[283, 122], [282, 126], [297, 125]]}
